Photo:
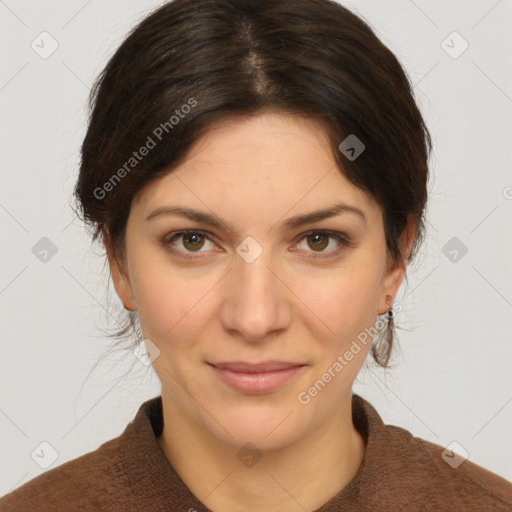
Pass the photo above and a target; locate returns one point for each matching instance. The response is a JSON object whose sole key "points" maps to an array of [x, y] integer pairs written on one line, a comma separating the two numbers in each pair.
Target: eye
{"points": [[320, 240], [192, 241]]}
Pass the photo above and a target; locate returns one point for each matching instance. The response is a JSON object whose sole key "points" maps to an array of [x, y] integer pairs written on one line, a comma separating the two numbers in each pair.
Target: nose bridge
{"points": [[255, 275], [254, 304]]}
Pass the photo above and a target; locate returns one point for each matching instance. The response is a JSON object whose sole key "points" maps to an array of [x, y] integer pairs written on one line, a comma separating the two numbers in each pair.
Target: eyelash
{"points": [[344, 241]]}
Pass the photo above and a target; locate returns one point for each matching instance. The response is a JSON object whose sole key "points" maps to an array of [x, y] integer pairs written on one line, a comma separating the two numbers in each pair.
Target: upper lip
{"points": [[265, 366]]}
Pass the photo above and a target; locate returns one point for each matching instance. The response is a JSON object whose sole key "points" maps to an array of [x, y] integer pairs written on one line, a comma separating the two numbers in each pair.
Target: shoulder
{"points": [[400, 469], [81, 483], [439, 477], [124, 473]]}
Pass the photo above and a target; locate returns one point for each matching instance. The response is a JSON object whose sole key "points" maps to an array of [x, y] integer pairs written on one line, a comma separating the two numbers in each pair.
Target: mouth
{"points": [[255, 379]]}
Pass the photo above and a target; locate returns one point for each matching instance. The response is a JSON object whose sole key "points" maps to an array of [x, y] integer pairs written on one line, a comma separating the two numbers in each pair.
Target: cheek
{"points": [[334, 304], [170, 303], [343, 301]]}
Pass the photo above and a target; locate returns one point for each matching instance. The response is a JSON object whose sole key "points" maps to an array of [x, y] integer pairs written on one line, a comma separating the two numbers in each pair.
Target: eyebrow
{"points": [[293, 222]]}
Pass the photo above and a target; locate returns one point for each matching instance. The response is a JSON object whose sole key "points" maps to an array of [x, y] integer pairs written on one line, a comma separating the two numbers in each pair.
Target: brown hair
{"points": [[192, 63]]}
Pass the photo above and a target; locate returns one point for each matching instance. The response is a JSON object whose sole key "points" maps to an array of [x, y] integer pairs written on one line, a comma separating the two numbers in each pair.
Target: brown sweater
{"points": [[131, 473]]}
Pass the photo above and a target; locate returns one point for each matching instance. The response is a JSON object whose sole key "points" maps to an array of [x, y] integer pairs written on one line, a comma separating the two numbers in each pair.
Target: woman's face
{"points": [[247, 285]]}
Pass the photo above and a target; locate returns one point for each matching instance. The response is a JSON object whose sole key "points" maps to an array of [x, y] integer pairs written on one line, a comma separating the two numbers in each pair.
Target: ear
{"points": [[395, 272], [119, 275]]}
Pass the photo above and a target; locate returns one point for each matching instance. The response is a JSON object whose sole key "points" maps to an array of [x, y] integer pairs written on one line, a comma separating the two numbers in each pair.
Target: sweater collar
{"points": [[152, 475]]}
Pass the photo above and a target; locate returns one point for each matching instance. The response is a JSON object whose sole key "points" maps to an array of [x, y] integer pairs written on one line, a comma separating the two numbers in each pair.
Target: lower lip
{"points": [[256, 383]]}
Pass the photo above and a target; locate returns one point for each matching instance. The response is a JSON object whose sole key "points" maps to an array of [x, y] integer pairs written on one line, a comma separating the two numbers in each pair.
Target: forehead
{"points": [[263, 139], [274, 163]]}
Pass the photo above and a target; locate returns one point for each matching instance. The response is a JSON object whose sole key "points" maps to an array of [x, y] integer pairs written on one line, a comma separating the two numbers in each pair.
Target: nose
{"points": [[255, 302]]}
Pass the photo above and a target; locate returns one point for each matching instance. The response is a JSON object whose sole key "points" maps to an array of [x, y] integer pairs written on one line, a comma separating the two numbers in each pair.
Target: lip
{"points": [[264, 366], [259, 378]]}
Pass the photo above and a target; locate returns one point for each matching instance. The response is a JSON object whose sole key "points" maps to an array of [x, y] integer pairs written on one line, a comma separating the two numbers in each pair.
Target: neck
{"points": [[304, 474]]}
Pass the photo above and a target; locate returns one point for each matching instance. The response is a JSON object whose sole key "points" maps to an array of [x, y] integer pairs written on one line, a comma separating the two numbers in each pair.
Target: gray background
{"points": [[452, 380]]}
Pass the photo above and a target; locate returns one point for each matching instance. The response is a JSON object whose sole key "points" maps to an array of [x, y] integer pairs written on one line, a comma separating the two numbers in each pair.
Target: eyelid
{"points": [[167, 241], [343, 239]]}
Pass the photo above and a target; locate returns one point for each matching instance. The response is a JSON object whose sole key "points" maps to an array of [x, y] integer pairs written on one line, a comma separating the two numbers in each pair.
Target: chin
{"points": [[266, 427]]}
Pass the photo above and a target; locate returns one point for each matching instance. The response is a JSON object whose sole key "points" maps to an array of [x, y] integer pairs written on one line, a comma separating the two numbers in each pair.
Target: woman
{"points": [[257, 172]]}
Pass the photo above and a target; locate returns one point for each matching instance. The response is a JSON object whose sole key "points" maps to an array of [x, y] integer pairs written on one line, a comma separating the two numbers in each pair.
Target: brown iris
{"points": [[320, 241], [193, 241]]}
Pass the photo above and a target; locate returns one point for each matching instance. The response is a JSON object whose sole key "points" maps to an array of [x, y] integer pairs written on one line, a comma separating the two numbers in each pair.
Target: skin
{"points": [[286, 305]]}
